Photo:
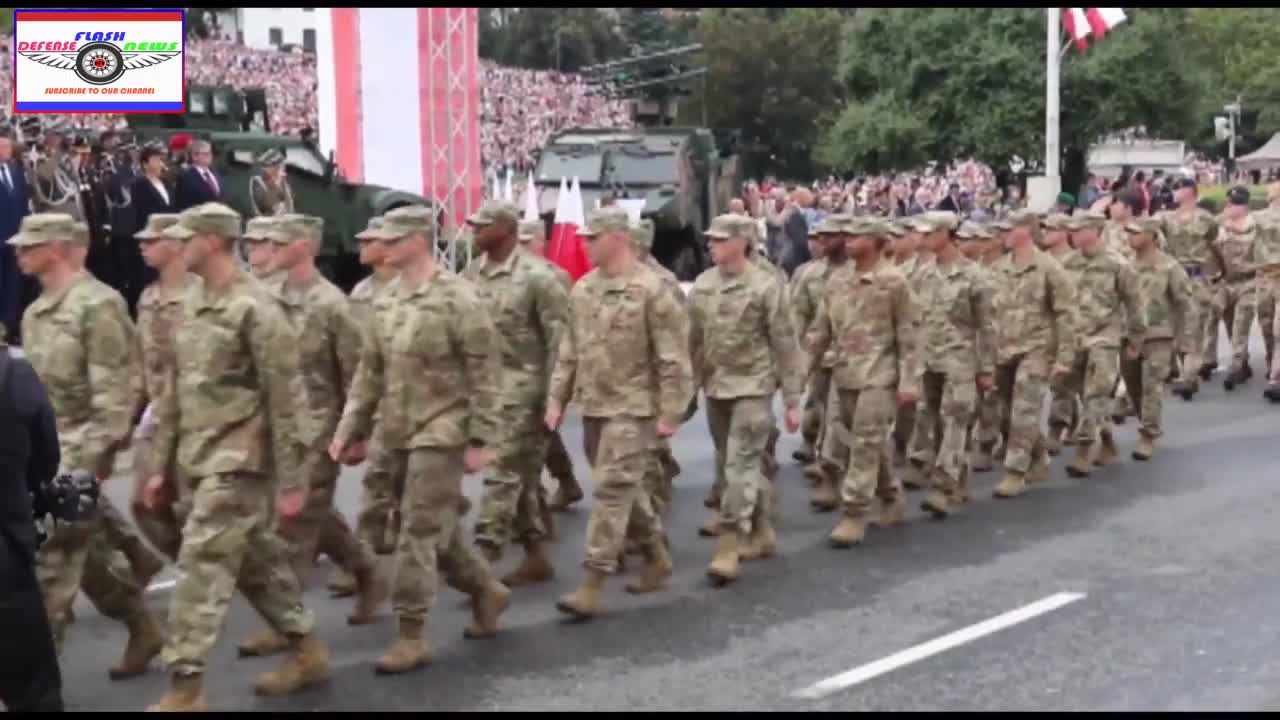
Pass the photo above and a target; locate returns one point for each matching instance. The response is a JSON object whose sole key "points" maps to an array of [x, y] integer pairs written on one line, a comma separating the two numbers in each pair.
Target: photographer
{"points": [[29, 676]]}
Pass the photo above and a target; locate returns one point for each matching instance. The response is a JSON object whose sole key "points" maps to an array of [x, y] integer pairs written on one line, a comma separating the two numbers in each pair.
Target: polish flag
{"points": [[567, 248], [531, 201], [1077, 25], [1083, 22], [1103, 19]]}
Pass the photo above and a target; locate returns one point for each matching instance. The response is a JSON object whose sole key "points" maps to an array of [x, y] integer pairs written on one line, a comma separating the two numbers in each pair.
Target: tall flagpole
{"points": [[1052, 155]]}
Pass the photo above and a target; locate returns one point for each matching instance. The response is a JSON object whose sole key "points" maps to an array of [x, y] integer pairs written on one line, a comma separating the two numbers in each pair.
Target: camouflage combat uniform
{"points": [[1189, 236], [989, 417], [804, 295], [916, 269], [624, 357], [1064, 402], [1236, 294], [1266, 257]]}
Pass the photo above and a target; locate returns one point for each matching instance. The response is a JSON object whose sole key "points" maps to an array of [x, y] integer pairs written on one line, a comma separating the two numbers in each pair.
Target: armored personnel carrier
{"points": [[236, 123]]}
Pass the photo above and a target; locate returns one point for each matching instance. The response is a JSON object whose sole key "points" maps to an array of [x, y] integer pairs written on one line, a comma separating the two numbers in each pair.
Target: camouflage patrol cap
{"points": [[211, 217], [935, 220], [1000, 226], [606, 219], [969, 230], [898, 228], [642, 234], [44, 228], [1086, 220], [1143, 224], [531, 230], [157, 222], [404, 221], [258, 228], [832, 224], [295, 226], [1055, 221], [494, 211], [725, 227], [370, 231], [1023, 218]]}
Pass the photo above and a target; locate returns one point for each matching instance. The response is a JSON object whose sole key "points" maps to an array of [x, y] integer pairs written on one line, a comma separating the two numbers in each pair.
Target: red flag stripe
{"points": [[1077, 30], [1096, 22]]}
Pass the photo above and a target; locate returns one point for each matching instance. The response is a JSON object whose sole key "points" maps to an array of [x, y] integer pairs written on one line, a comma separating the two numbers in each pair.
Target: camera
{"points": [[68, 497]]}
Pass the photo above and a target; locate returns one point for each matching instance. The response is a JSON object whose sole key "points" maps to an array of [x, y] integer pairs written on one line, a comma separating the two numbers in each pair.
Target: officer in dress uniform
{"points": [[270, 189]]}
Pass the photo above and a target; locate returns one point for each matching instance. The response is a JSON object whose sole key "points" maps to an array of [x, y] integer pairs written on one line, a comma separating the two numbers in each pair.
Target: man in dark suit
{"points": [[16, 290], [199, 183]]}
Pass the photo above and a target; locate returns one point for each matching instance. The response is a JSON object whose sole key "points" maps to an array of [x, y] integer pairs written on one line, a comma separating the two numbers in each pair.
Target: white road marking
{"points": [[879, 667], [162, 585]]}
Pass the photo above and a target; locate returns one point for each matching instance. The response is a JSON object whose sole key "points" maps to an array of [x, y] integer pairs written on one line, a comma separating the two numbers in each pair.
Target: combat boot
{"points": [[848, 532], [567, 493], [1206, 370], [1001, 451], [1013, 485], [185, 694], [655, 571], [914, 479], [372, 590], [1053, 440], [486, 606], [342, 584], [410, 650], [584, 602], [1039, 470], [814, 473], [724, 566], [892, 512], [267, 642], [824, 498], [146, 639], [935, 503], [536, 568], [1108, 453], [711, 526], [982, 460], [806, 452], [1272, 392], [761, 543], [1145, 448], [307, 665], [1235, 376], [1079, 466]]}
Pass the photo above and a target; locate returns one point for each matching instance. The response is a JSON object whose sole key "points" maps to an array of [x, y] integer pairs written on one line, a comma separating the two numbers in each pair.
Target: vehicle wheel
{"points": [[99, 63]]}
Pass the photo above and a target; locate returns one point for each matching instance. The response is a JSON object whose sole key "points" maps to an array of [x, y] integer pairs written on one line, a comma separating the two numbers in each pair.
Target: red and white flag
{"points": [[567, 248], [1083, 22]]}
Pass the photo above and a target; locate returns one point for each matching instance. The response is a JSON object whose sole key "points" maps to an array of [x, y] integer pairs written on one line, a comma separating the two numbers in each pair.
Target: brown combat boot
{"points": [[372, 590], [1053, 440], [761, 543], [536, 568], [146, 639], [848, 532], [653, 575], [1013, 485], [265, 643], [1109, 453], [892, 512], [914, 478], [724, 566], [1079, 466], [936, 503], [486, 606], [307, 665], [342, 584], [1145, 448], [185, 694], [711, 526], [584, 602], [410, 650], [825, 499], [567, 493], [1039, 470]]}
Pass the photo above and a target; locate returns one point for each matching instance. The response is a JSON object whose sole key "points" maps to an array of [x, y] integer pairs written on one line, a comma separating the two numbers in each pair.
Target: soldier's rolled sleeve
{"points": [[1131, 295], [273, 346], [904, 323], [1062, 299], [786, 349], [113, 390], [482, 364], [566, 365], [669, 333]]}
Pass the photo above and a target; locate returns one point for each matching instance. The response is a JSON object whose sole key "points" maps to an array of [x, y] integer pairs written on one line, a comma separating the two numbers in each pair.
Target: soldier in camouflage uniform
{"points": [[1266, 256], [1121, 212], [743, 348], [1189, 232], [533, 236], [78, 338], [434, 378], [868, 315], [259, 249], [1064, 411], [987, 252], [230, 426], [527, 304], [1108, 308], [913, 262], [803, 295], [159, 314], [1237, 291], [1167, 300], [329, 343], [625, 357], [957, 358], [1035, 344]]}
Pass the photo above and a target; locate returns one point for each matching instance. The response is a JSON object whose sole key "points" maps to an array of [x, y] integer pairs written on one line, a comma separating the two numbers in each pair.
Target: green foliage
{"points": [[1232, 52]]}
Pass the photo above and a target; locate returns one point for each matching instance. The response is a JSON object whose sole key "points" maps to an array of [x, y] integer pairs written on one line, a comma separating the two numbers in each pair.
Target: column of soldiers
{"points": [[243, 392]]}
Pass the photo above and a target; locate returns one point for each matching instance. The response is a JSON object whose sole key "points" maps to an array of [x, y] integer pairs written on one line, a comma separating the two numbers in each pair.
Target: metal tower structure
{"points": [[653, 82]]}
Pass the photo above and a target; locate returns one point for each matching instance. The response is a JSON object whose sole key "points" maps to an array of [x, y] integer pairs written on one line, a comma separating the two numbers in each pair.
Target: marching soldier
{"points": [[803, 296], [81, 343], [269, 190], [912, 261], [743, 348], [1064, 412], [258, 248], [230, 423], [1266, 254], [984, 251], [1237, 293], [1189, 232], [433, 378], [625, 356]]}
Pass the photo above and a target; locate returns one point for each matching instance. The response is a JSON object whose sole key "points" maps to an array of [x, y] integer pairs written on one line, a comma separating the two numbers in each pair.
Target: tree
{"points": [[1231, 52]]}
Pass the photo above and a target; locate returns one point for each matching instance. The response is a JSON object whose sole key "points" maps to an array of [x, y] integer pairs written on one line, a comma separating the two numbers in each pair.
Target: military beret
{"points": [[210, 217], [369, 233], [935, 220], [530, 230], [258, 228], [1238, 195], [642, 234], [44, 228], [1144, 224], [156, 223], [1086, 220], [295, 226], [1184, 182], [1066, 198], [1022, 218], [271, 156], [606, 219], [494, 211], [404, 221]]}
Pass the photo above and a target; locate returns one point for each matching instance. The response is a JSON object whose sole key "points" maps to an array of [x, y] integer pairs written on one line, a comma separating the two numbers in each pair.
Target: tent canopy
{"points": [[1264, 158]]}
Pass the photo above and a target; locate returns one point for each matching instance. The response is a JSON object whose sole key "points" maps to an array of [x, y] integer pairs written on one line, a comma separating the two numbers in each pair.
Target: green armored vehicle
{"points": [[235, 123]]}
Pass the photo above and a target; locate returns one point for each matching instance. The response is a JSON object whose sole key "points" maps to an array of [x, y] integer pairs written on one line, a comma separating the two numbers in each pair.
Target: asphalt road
{"points": [[1148, 586]]}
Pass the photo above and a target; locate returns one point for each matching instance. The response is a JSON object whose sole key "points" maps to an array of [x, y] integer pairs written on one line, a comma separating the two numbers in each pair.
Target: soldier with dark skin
{"points": [[1189, 232]]}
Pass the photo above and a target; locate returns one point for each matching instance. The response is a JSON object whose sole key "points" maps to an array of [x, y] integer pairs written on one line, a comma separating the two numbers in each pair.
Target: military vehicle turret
{"points": [[236, 123]]}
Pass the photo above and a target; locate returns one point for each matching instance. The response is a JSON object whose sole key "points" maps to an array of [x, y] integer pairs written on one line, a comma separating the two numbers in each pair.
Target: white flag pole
{"points": [[1051, 90]]}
